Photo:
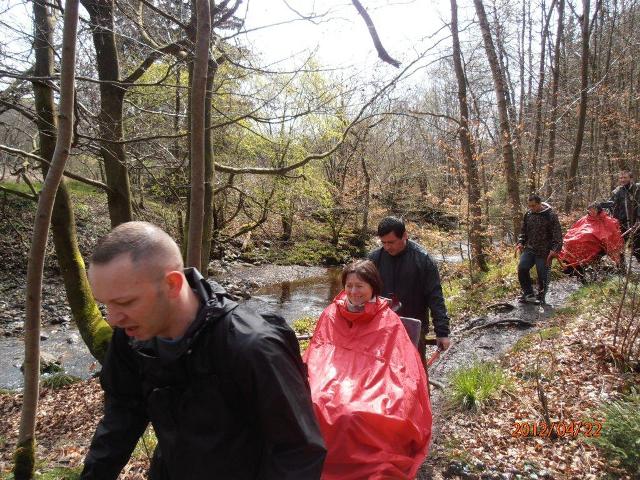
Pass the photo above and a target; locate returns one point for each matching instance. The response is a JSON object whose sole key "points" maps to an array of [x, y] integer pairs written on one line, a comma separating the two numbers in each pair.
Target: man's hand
{"points": [[519, 248], [443, 343], [550, 257]]}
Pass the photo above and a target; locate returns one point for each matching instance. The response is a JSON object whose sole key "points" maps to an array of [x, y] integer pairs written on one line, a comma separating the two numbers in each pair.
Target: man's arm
{"points": [[434, 297], [124, 418], [271, 375]]}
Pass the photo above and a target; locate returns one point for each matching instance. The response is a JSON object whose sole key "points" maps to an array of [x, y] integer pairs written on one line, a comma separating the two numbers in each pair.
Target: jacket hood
{"points": [[546, 208]]}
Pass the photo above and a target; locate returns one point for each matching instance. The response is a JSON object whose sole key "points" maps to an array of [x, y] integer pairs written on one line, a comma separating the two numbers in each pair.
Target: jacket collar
{"points": [[371, 309], [214, 303]]}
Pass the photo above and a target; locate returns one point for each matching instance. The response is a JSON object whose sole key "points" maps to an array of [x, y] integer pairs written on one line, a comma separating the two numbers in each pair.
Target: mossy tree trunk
{"points": [[94, 330], [25, 452]]}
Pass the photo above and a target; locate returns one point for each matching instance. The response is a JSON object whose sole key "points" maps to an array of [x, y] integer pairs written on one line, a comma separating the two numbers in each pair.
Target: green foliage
{"points": [[499, 282], [146, 445], [526, 342], [58, 380], [304, 326], [550, 333], [76, 187], [620, 435], [315, 252], [473, 386], [56, 473]]}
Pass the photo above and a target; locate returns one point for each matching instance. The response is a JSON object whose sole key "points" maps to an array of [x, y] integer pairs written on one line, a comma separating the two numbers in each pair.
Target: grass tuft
{"points": [[474, 386], [58, 380]]}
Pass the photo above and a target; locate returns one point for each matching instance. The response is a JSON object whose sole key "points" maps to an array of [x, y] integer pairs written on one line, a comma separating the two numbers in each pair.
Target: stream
{"points": [[291, 291]]}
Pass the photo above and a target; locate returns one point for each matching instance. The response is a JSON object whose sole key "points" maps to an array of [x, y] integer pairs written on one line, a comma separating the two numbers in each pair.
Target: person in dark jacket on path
{"points": [[540, 240], [626, 208], [224, 388], [411, 276]]}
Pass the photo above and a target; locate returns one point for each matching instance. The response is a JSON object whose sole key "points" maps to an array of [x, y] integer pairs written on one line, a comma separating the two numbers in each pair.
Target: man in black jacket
{"points": [[540, 240], [626, 208], [409, 274], [224, 388]]}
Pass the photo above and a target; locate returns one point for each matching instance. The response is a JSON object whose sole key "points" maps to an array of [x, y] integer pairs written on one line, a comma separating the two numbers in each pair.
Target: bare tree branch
{"points": [[382, 53]]}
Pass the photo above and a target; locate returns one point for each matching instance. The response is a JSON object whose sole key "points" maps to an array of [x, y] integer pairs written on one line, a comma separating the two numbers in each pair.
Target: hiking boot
{"points": [[529, 298], [541, 298]]}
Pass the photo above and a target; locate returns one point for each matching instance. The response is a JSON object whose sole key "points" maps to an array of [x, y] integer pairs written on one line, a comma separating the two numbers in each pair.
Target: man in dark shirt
{"points": [[224, 388], [409, 274], [540, 240], [626, 208]]}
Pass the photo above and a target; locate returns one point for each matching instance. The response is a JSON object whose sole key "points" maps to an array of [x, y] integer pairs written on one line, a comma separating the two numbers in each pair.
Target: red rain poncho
{"points": [[589, 237], [369, 392]]}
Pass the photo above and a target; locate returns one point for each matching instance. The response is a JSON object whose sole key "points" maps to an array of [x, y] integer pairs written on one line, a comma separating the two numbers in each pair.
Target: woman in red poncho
{"points": [[368, 386], [589, 238]]}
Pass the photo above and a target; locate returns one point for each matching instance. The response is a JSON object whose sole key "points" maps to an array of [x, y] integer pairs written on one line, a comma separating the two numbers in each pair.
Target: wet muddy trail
{"points": [[472, 341]]}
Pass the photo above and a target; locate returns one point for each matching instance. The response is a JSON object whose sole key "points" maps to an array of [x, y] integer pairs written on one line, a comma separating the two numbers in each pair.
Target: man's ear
{"points": [[405, 236], [174, 281]]}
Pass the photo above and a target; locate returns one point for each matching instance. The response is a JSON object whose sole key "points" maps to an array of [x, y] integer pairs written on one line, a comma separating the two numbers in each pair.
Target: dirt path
{"points": [[487, 344]]}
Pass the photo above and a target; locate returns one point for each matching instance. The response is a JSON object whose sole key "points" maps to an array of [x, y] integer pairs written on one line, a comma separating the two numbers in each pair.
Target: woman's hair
{"points": [[596, 206], [366, 271]]}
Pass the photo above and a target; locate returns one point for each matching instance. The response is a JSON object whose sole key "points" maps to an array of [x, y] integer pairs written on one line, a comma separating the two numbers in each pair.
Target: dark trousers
{"points": [[527, 260]]}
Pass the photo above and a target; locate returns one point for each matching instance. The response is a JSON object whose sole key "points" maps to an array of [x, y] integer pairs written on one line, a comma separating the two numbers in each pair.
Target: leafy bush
{"points": [[473, 386], [620, 435], [304, 326]]}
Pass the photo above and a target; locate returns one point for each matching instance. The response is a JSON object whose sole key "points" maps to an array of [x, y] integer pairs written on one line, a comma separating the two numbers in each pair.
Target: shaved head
{"points": [[145, 243]]}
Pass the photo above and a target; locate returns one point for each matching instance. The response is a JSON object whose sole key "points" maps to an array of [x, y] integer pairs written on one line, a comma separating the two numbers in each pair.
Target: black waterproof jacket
{"points": [[232, 402], [626, 204], [541, 232], [412, 276]]}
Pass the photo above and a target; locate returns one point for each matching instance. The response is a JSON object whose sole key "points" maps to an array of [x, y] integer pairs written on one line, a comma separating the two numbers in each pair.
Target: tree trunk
{"points": [[554, 101], [25, 450], [111, 108], [197, 137], [209, 171], [364, 231], [533, 173], [513, 189], [582, 112], [94, 330], [468, 151]]}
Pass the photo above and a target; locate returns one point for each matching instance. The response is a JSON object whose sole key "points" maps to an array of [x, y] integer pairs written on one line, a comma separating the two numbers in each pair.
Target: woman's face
{"points": [[592, 212], [358, 291]]}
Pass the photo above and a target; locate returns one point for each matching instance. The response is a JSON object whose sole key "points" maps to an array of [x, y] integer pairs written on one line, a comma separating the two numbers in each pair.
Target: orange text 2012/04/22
{"points": [[556, 429]]}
